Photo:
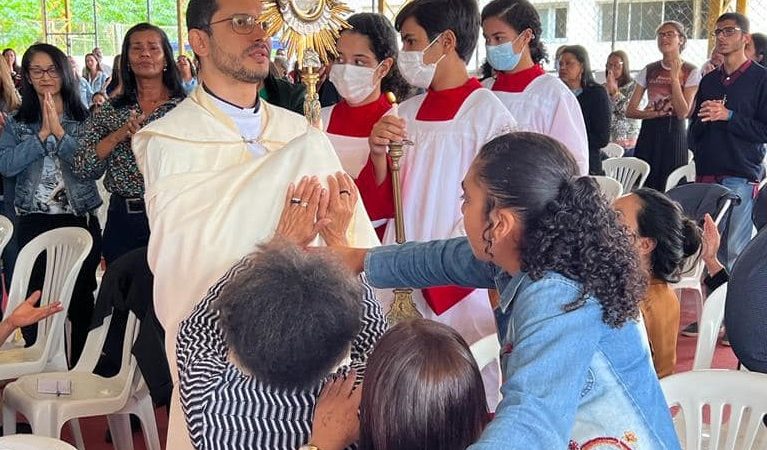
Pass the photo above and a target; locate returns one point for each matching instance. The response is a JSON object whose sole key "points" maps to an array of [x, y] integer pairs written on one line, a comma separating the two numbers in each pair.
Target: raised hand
{"points": [[54, 121], [27, 314], [342, 199], [336, 422], [298, 221]]}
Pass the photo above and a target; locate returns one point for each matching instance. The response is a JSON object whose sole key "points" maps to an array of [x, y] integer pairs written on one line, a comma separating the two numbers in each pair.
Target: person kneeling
{"points": [[255, 353]]}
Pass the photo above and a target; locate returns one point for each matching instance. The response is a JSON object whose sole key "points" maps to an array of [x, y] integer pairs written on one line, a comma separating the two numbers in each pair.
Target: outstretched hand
{"points": [[28, 314], [342, 200], [298, 221]]}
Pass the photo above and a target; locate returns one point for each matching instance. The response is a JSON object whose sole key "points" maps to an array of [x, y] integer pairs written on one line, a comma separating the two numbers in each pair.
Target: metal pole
{"points": [[614, 36], [45, 19], [95, 25], [149, 11], [741, 6], [68, 24], [180, 27]]}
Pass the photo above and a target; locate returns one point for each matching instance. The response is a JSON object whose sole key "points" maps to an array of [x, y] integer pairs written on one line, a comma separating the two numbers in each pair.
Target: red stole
{"points": [[517, 82], [441, 106]]}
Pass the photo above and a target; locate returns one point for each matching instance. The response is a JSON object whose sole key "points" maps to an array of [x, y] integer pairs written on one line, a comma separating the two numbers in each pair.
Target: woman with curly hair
{"points": [[576, 372], [363, 72], [664, 237]]}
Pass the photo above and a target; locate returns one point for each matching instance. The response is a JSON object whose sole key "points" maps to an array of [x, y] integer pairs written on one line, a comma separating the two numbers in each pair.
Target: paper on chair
{"points": [[57, 387]]}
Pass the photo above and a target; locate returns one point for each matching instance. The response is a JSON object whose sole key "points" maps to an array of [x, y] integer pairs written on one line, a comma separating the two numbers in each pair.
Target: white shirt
{"points": [[248, 121]]}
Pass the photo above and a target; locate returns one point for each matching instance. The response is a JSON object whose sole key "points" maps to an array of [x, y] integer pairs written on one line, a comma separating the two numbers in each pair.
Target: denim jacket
{"points": [[22, 154], [570, 381]]}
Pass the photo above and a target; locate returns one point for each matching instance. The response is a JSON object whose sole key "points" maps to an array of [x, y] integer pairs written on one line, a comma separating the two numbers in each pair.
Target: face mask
{"points": [[354, 83], [414, 70], [503, 57]]}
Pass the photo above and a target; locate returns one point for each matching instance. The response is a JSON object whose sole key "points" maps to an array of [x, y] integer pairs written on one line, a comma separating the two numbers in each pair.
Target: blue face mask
{"points": [[503, 57]]}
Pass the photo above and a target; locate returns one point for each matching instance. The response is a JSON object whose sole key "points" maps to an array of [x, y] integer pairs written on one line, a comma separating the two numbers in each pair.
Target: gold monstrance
{"points": [[310, 29], [402, 308]]}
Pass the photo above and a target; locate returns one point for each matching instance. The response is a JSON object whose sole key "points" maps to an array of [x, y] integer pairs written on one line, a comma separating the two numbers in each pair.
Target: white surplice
{"points": [[431, 175], [210, 201], [548, 107]]}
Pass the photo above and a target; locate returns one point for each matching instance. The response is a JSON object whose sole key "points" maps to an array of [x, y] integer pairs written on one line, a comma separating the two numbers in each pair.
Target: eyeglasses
{"points": [[243, 23], [667, 34], [726, 31], [37, 74]]}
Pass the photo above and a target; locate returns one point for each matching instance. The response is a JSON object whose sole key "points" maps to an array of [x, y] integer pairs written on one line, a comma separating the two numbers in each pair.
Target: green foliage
{"points": [[21, 22]]}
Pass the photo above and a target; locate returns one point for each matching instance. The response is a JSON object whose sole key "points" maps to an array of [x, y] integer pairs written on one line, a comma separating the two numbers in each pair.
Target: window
{"points": [[553, 21], [637, 21]]}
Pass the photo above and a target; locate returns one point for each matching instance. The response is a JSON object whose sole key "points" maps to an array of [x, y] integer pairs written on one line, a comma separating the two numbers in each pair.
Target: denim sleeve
{"points": [[546, 370], [16, 154], [435, 263]]}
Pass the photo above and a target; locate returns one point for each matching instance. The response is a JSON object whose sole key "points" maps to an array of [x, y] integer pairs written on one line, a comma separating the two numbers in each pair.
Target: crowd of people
{"points": [[203, 156]]}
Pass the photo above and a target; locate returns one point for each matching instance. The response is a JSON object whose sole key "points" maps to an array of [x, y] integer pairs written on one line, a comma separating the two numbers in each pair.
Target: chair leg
{"points": [[145, 412], [9, 420], [119, 426], [698, 303], [74, 424]]}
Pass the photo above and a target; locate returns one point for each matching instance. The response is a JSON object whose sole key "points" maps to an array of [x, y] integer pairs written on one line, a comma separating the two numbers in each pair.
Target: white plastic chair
{"points": [[629, 171], [693, 267], [6, 231], [92, 395], [690, 156], [32, 442], [708, 328], [741, 394], [66, 249], [486, 350], [609, 186], [687, 172], [613, 150]]}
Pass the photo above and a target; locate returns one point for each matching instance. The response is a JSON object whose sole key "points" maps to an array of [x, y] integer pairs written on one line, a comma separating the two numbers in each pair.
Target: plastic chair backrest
{"points": [[686, 172], [6, 231], [66, 249], [609, 186], [708, 328], [94, 345], [486, 350], [629, 171], [746, 309], [744, 392], [613, 150]]}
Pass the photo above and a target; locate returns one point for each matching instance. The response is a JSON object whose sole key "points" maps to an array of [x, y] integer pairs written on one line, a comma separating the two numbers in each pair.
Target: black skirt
{"points": [[662, 143]]}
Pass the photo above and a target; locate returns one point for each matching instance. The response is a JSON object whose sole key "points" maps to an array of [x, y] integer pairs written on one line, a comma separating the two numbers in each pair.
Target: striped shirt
{"points": [[226, 408]]}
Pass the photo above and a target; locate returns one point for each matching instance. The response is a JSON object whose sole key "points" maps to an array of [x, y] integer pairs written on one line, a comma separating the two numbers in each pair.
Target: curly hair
{"points": [[383, 43], [520, 15], [676, 236], [569, 227]]}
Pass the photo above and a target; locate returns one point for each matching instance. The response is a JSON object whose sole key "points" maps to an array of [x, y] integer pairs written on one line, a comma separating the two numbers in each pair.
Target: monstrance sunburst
{"points": [[310, 29]]}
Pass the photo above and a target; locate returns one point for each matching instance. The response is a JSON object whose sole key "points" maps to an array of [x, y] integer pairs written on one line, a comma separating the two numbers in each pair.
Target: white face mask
{"points": [[414, 70], [354, 83]]}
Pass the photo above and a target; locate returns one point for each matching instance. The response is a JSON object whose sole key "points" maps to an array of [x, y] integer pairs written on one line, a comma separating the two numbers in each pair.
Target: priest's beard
{"points": [[232, 65]]}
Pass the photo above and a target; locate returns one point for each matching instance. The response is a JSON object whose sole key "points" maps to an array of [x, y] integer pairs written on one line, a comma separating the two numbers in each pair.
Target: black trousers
{"points": [[127, 227], [81, 306]]}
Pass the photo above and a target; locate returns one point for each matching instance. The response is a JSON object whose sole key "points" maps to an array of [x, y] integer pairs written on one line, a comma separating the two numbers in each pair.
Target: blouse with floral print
{"points": [[623, 130], [122, 174]]}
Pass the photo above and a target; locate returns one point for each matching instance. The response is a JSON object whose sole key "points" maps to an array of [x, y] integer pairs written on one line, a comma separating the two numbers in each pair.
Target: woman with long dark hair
{"points": [[10, 57], [537, 100], [425, 374], [576, 371], [115, 86], [575, 72], [620, 86], [664, 237], [671, 85], [93, 74], [151, 87], [364, 71], [37, 148], [188, 73]]}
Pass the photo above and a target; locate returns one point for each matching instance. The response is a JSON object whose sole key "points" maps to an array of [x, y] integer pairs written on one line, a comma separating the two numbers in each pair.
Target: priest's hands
{"points": [[310, 210], [298, 223], [387, 130], [336, 423], [342, 200]]}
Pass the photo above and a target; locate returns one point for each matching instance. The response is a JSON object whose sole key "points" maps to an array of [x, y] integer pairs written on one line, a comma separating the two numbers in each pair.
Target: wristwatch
{"points": [[308, 447]]}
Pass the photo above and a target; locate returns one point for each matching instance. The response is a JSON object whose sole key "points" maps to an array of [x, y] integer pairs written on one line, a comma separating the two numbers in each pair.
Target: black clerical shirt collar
{"points": [[256, 107]]}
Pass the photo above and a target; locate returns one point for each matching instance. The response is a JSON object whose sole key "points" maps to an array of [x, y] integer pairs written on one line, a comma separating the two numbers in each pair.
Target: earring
{"points": [[165, 68]]}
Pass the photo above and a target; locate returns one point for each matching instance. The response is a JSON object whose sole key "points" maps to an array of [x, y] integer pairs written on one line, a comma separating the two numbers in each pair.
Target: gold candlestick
{"points": [[402, 307]]}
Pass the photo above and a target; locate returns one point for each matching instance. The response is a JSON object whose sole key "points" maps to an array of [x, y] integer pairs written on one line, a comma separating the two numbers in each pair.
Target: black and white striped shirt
{"points": [[228, 409]]}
